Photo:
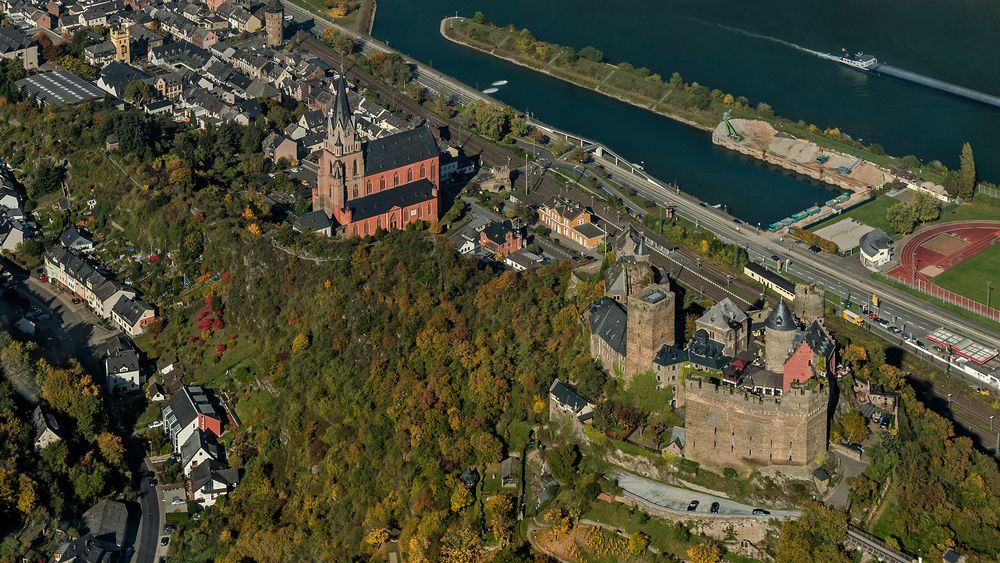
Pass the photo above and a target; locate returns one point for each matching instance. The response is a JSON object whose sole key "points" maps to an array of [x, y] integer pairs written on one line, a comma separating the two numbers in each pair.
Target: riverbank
{"points": [[692, 104]]}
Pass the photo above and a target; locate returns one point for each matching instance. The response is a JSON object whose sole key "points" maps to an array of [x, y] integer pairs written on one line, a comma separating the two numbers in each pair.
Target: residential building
{"points": [[382, 184], [197, 449], [187, 412], [210, 480], [122, 369], [16, 45], [564, 400], [46, 428], [501, 238], [115, 78], [132, 315], [569, 219], [74, 239]]}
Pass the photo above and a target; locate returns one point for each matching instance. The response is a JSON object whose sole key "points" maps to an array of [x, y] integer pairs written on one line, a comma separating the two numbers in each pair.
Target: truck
{"points": [[852, 317]]}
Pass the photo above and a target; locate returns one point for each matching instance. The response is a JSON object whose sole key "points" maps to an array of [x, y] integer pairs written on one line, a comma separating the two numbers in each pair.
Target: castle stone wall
{"points": [[726, 427]]}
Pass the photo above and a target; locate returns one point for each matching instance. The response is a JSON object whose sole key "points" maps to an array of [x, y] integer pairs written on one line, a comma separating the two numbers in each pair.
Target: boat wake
{"points": [[763, 37]]}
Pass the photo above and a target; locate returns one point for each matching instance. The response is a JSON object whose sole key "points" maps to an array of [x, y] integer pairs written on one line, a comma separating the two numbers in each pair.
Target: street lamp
{"points": [[991, 422], [949, 398]]}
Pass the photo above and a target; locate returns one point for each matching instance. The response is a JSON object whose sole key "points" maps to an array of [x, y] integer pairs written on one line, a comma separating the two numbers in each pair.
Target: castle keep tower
{"points": [[120, 39], [274, 25], [808, 304], [779, 334], [651, 324]]}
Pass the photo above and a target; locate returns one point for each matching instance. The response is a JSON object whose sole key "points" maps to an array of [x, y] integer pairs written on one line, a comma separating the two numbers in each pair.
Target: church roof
{"points": [[401, 149], [381, 202], [781, 318]]}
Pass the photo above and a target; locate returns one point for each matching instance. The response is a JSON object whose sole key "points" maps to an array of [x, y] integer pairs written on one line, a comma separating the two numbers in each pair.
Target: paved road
{"points": [[849, 467], [677, 498], [151, 522]]}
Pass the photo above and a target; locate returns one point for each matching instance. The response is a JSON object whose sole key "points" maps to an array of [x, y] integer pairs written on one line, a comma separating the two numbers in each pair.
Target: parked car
{"points": [[177, 501], [170, 528], [165, 540], [76, 301], [692, 506], [152, 483], [760, 512], [814, 248], [156, 424], [714, 509]]}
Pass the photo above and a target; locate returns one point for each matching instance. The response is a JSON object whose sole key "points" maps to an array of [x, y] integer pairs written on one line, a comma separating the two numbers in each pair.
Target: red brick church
{"points": [[386, 183]]}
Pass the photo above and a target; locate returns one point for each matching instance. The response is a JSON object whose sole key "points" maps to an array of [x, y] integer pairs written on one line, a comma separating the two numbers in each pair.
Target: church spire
{"points": [[342, 115]]}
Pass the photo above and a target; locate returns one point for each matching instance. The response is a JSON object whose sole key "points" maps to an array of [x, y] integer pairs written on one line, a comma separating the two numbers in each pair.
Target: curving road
{"points": [[677, 499]]}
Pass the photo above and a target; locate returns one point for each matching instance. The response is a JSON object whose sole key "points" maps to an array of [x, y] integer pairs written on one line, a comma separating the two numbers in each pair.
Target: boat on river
{"points": [[858, 60]]}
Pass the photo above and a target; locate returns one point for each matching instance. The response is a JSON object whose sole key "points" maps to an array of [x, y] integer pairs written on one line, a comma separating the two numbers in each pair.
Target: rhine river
{"points": [[763, 50]]}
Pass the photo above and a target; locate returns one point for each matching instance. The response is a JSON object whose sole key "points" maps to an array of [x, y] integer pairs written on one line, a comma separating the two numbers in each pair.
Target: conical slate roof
{"points": [[781, 318], [341, 109]]}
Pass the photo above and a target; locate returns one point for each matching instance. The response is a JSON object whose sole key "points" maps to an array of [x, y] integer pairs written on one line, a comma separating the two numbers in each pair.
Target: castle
{"points": [[748, 401], [385, 184]]}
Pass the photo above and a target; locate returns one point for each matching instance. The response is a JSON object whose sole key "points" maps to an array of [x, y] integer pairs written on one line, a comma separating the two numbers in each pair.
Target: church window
{"points": [[354, 168], [381, 183], [395, 179], [432, 172], [368, 187], [423, 171], [419, 210], [409, 175], [355, 191]]}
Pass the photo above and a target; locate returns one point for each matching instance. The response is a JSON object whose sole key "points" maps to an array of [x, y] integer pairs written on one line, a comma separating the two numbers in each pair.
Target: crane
{"points": [[733, 133]]}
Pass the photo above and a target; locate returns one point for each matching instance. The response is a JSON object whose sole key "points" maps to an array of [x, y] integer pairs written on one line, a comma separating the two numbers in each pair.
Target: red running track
{"points": [[913, 256]]}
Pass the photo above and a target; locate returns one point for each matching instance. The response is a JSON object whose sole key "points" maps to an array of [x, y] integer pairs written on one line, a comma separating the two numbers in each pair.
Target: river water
{"points": [[767, 50]]}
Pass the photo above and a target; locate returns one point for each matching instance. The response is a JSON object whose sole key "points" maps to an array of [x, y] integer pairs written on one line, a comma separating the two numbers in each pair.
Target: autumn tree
{"points": [[855, 426], [704, 553], [460, 497], [816, 536]]}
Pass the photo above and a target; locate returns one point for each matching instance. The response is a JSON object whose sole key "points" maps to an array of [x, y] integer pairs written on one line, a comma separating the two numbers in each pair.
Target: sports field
{"points": [[969, 277]]}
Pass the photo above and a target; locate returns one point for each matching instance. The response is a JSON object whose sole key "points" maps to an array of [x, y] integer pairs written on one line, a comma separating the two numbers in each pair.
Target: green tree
{"points": [[48, 179], [391, 68], [901, 217], [591, 54], [138, 92], [562, 462], [479, 17], [855, 426], [966, 173]]}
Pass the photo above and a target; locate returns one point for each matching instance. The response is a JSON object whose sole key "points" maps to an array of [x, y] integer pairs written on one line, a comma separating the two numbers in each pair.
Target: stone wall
{"points": [[726, 427], [602, 352]]}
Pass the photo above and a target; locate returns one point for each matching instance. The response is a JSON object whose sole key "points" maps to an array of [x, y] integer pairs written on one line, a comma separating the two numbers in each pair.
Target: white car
{"points": [[155, 424], [177, 501]]}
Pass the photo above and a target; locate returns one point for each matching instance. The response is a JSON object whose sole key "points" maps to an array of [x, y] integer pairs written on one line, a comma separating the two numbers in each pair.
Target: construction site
{"points": [[760, 140]]}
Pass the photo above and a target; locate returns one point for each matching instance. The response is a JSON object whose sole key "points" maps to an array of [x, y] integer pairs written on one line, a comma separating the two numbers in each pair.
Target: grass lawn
{"points": [[871, 213], [982, 207], [887, 525], [969, 278], [643, 392]]}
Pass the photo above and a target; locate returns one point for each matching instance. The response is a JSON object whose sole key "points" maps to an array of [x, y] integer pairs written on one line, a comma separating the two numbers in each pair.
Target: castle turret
{"points": [[651, 324], [274, 25], [808, 304], [779, 334]]}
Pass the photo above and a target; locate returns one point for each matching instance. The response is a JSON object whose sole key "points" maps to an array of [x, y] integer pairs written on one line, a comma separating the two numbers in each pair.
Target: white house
{"points": [[199, 448], [46, 428], [212, 479], [132, 315], [876, 249], [122, 368]]}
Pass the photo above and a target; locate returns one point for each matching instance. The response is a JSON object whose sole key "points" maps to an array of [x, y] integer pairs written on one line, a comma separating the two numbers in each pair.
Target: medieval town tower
{"points": [[651, 324]]}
